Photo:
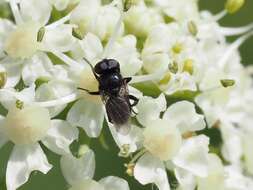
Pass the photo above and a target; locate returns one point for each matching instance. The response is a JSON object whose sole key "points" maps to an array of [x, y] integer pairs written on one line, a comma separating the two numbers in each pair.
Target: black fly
{"points": [[114, 93]]}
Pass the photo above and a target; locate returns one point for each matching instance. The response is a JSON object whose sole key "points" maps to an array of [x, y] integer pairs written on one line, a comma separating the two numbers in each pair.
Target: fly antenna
{"points": [[91, 66]]}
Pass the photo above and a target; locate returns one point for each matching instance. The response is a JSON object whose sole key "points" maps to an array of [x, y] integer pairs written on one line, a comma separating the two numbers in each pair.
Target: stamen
{"points": [[220, 15], [16, 12], [234, 46], [227, 31], [63, 57], [150, 77], [58, 22], [58, 102], [115, 33]]}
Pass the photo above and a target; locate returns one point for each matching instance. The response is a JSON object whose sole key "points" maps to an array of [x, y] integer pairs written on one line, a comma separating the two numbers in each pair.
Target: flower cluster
{"points": [[189, 81]]}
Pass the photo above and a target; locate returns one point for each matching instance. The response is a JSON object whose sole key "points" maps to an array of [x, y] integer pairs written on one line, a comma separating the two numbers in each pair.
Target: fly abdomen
{"points": [[118, 110]]}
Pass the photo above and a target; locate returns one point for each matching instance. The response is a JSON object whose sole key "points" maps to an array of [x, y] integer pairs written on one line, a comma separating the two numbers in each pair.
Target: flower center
{"points": [[27, 125], [161, 140], [22, 42], [88, 81]]}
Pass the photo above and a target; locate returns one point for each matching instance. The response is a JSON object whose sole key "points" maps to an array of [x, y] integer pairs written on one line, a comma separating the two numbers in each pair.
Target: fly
{"points": [[113, 91]]}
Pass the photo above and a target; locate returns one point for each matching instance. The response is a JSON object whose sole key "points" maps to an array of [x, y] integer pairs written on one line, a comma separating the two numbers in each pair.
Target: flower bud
{"points": [[192, 27], [3, 79], [124, 150], [83, 149], [173, 67], [19, 104], [40, 34], [227, 82], [130, 169], [232, 6], [177, 48], [188, 66]]}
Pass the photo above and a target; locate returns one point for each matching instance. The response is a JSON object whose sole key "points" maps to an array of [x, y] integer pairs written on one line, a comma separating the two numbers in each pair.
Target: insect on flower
{"points": [[114, 93]]}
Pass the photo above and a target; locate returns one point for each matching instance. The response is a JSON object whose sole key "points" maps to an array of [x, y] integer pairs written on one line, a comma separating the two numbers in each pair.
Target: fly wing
{"points": [[118, 112]]}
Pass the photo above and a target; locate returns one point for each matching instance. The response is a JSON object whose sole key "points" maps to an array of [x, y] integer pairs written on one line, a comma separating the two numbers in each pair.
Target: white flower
{"points": [[149, 109], [149, 169], [25, 125], [91, 16], [193, 156], [79, 173], [162, 139], [215, 178], [184, 115], [181, 10], [139, 20]]}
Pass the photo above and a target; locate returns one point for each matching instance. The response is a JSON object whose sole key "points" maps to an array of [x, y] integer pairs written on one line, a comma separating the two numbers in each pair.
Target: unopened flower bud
{"points": [[130, 169], [124, 150], [188, 66], [192, 27], [19, 104], [40, 34], [83, 149], [177, 48], [232, 6], [3, 79], [227, 82], [173, 67], [166, 79]]}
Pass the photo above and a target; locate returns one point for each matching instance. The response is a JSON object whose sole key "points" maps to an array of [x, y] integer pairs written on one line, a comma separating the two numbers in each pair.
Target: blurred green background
{"points": [[107, 162]]}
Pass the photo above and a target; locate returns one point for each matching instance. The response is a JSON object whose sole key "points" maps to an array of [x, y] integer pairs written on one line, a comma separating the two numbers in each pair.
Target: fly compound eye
{"points": [[101, 67], [113, 64], [107, 65]]}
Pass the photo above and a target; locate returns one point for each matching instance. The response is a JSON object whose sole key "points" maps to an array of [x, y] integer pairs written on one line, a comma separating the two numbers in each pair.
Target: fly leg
{"points": [[136, 100], [127, 79], [89, 92]]}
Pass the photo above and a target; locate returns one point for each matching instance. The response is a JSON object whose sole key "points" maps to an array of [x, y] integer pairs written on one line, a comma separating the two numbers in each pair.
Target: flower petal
{"points": [[75, 170], [193, 155], [180, 82], [59, 38], [184, 115], [216, 175], [5, 27], [149, 109], [24, 160], [149, 169], [87, 184], [114, 183], [13, 70], [133, 139], [126, 53], [51, 91], [38, 66], [88, 115], [9, 97], [60, 4], [60, 136], [185, 178], [35, 10]]}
